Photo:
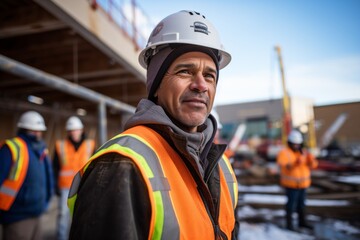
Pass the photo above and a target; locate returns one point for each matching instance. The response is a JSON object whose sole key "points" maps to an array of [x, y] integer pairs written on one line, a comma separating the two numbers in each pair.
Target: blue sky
{"points": [[319, 39]]}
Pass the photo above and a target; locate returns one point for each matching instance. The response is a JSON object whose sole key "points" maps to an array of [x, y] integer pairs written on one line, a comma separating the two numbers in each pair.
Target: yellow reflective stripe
{"points": [[158, 182], [230, 179], [73, 192], [116, 148], [14, 149], [18, 158], [21, 158], [157, 194], [159, 216], [235, 185], [71, 204]]}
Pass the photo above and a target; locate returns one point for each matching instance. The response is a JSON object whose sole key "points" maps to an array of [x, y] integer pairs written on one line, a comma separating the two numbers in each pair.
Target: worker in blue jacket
{"points": [[26, 180]]}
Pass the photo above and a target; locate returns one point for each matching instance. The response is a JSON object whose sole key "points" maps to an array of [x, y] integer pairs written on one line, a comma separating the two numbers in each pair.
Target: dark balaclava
{"points": [[161, 61]]}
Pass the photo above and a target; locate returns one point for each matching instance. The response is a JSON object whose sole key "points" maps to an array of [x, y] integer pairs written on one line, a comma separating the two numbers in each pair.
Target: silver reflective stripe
{"points": [[295, 179], [67, 173], [159, 184], [229, 179], [8, 191], [171, 229], [75, 185]]}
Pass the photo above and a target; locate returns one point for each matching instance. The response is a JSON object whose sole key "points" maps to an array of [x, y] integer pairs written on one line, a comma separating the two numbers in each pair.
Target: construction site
{"points": [[56, 58]]}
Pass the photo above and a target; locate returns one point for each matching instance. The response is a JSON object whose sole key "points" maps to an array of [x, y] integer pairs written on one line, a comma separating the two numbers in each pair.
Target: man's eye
{"points": [[183, 71], [210, 77]]}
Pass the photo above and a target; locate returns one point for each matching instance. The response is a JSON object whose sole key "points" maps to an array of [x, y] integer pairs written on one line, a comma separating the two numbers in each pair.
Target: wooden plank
{"points": [[331, 186], [337, 196]]}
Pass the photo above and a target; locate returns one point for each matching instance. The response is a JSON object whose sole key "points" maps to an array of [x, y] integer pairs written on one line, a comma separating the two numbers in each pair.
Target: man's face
{"points": [[75, 135], [295, 147], [38, 134], [188, 89]]}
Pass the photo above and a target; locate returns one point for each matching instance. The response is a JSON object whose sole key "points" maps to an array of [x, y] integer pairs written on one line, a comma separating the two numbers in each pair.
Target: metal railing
{"points": [[129, 17]]}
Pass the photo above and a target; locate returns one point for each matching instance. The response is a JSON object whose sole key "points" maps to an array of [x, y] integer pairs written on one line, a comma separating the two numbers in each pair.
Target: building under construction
{"points": [[64, 58]]}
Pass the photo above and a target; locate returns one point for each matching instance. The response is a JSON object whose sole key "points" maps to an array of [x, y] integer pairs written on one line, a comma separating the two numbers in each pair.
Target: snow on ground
{"points": [[252, 195], [267, 231], [248, 212], [260, 188], [354, 179], [346, 227], [271, 229], [280, 199]]}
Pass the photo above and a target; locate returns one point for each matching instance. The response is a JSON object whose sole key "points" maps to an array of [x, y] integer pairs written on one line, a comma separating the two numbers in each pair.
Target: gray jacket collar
{"points": [[194, 145]]}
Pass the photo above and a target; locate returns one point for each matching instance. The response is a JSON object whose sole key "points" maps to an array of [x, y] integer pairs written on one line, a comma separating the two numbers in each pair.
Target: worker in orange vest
{"points": [[295, 166], [70, 156], [26, 180], [164, 177]]}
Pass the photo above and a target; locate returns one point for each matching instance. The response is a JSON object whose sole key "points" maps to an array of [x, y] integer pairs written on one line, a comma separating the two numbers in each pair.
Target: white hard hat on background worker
{"points": [[295, 137], [74, 123], [31, 120]]}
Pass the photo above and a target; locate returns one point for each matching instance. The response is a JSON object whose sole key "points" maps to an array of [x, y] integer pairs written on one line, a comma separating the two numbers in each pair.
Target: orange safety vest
{"points": [[71, 160], [292, 174], [178, 211], [20, 162]]}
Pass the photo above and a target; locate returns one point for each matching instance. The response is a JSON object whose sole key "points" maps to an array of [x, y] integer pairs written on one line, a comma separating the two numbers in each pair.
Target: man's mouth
{"points": [[198, 102]]}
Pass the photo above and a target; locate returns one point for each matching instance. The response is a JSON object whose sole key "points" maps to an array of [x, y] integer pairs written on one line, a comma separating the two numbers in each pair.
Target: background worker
{"points": [[164, 178], [218, 140], [295, 163], [26, 180], [70, 156]]}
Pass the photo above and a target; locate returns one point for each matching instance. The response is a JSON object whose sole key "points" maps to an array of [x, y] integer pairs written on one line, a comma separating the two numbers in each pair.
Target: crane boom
{"points": [[286, 123]]}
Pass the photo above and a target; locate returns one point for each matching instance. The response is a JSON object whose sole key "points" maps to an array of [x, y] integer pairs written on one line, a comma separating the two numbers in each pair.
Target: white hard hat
{"points": [[295, 137], [184, 27], [32, 120], [74, 123], [216, 116]]}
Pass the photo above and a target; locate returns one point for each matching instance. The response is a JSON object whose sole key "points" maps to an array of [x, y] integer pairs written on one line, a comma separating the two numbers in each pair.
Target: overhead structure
{"points": [[75, 56], [17, 68]]}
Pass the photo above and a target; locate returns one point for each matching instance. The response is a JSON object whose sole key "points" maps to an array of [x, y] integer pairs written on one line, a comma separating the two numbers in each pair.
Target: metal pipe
{"points": [[17, 68], [102, 122], [20, 69]]}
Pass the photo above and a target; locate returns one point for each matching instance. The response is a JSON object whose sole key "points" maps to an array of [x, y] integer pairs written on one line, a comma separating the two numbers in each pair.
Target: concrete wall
{"points": [[349, 131]]}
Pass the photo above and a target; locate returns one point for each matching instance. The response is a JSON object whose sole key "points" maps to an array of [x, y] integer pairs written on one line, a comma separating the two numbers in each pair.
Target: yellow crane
{"points": [[286, 123]]}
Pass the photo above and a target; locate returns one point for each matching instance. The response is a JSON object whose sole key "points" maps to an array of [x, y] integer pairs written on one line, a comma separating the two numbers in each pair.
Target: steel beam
{"points": [[52, 81]]}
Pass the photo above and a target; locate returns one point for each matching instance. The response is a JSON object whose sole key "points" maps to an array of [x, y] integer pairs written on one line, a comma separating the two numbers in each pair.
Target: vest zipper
{"points": [[219, 234], [215, 226], [195, 172]]}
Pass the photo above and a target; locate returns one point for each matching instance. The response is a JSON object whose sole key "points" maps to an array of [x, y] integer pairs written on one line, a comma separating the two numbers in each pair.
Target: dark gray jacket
{"points": [[113, 201]]}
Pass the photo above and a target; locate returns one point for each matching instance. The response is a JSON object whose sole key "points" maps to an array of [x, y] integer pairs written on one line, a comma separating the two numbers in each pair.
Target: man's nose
{"points": [[199, 83]]}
